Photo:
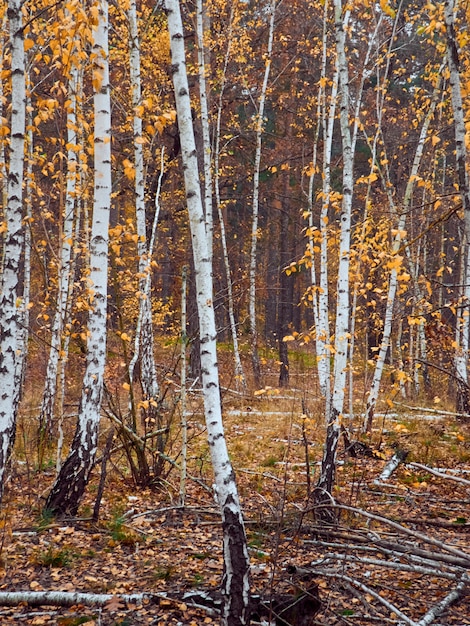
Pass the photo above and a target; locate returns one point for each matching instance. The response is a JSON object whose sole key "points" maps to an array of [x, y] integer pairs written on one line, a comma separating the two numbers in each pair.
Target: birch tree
{"points": [[461, 158], [56, 353], [259, 124], [239, 373], [235, 585], [70, 484], [328, 470], [11, 289], [144, 341], [396, 260]]}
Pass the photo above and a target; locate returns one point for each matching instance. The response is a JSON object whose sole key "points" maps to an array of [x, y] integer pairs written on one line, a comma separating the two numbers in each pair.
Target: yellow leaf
{"points": [[126, 386], [387, 9]]}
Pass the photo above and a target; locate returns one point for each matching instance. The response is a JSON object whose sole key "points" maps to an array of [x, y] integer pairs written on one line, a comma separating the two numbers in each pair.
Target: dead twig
{"points": [[440, 607], [435, 472]]}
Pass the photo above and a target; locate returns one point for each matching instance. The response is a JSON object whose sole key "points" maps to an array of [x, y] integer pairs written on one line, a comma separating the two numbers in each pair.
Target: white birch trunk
{"points": [[239, 373], [3, 164], [396, 264], [342, 298], [201, 18], [144, 343], [255, 208], [73, 477], [46, 414], [235, 586], [322, 334], [28, 211], [11, 293], [184, 417], [461, 157]]}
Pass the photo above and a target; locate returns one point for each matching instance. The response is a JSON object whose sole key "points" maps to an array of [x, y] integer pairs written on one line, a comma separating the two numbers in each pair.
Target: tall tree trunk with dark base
{"points": [[11, 315], [328, 469], [235, 584], [73, 477]]}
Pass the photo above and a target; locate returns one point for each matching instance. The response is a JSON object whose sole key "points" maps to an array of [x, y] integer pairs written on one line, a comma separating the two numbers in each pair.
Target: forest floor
{"points": [[365, 570]]}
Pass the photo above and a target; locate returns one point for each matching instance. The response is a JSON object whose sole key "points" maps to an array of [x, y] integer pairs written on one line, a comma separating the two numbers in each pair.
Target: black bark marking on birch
{"points": [[191, 194], [183, 92], [174, 67], [217, 437], [211, 384], [237, 609], [230, 479]]}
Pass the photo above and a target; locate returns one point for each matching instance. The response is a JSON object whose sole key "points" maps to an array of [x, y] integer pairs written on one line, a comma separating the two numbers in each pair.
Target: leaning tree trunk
{"points": [[235, 586], [11, 293], [461, 157], [395, 264], [73, 477]]}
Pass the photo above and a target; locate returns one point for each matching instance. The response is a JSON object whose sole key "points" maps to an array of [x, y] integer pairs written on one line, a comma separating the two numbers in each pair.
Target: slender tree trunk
{"points": [[201, 23], [239, 373], [284, 315], [144, 341], [323, 326], [28, 219], [184, 418], [395, 264], [254, 225], [328, 470], [461, 157], [11, 292], [46, 414], [73, 477], [235, 586]]}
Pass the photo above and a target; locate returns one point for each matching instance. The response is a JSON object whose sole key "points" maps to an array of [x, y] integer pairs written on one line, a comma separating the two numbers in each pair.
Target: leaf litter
{"points": [[397, 565]]}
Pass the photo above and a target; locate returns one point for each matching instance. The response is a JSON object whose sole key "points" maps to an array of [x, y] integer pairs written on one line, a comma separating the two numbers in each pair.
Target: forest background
{"points": [[330, 164]]}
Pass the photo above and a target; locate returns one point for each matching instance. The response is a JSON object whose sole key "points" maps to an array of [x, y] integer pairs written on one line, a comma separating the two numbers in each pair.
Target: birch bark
{"points": [[46, 414], [235, 584], [255, 208], [323, 325], [239, 373], [11, 290], [461, 157], [70, 484], [144, 341], [201, 19], [395, 263], [328, 470]]}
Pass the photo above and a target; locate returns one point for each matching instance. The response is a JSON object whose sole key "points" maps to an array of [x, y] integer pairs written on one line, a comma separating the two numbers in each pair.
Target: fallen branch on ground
{"points": [[440, 607], [70, 598], [391, 466], [407, 531], [435, 472]]}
